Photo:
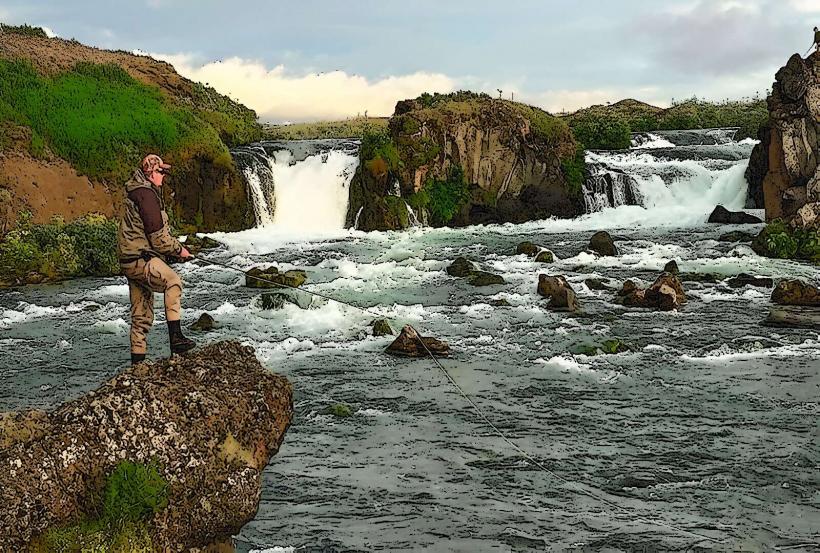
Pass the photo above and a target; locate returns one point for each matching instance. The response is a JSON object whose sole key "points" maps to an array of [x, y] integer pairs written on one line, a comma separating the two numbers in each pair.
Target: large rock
{"points": [[561, 295], [483, 278], [602, 244], [461, 267], [791, 316], [722, 215], [796, 292], [210, 421], [512, 161], [410, 344], [785, 164]]}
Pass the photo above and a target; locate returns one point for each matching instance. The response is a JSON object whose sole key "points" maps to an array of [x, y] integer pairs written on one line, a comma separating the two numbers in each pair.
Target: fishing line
{"points": [[474, 405]]}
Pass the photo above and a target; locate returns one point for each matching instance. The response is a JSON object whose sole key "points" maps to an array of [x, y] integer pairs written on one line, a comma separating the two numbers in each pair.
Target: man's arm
{"points": [[158, 233]]}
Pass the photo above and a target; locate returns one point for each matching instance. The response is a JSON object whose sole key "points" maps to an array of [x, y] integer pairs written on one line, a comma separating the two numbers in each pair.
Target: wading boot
{"points": [[137, 358], [179, 343]]}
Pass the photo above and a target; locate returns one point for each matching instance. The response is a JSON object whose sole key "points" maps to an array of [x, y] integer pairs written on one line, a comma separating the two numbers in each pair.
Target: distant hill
{"points": [[355, 127]]}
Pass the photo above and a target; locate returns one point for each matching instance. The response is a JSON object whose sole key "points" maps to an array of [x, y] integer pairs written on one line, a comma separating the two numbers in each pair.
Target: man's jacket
{"points": [[144, 231]]}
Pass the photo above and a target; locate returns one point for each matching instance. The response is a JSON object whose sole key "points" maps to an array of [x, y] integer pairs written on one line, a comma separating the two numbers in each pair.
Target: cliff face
{"points": [[467, 160], [784, 169], [206, 189]]}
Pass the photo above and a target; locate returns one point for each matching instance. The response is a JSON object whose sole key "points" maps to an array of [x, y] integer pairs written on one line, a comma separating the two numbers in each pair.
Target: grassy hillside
{"points": [[355, 127], [609, 127]]}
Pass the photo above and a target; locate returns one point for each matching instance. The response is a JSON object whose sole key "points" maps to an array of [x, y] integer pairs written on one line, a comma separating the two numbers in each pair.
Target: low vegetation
{"points": [[59, 250], [610, 127], [780, 241], [442, 198], [25, 30], [100, 119], [355, 127], [133, 494]]}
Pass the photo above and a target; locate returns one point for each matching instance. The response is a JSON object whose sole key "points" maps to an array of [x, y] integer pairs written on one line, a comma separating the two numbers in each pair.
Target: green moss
{"points": [[573, 169], [377, 144], [780, 241], [546, 127], [398, 208], [428, 100], [446, 197], [340, 410], [133, 494]]}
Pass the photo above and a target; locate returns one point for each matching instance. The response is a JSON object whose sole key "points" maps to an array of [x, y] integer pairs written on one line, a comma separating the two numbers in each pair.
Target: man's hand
{"points": [[184, 254]]}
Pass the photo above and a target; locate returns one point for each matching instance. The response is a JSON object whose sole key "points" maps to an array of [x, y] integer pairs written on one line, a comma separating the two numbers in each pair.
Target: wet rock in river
{"points": [[483, 278], [205, 323], [528, 248], [794, 316], [596, 284], [270, 277], [722, 215], [796, 292], [382, 328], [736, 236], [744, 279], [602, 244], [665, 294], [544, 256], [671, 267], [410, 344], [561, 295], [461, 267]]}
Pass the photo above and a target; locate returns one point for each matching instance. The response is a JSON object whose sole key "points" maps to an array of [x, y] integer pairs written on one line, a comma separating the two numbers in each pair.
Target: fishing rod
{"points": [[472, 403]]}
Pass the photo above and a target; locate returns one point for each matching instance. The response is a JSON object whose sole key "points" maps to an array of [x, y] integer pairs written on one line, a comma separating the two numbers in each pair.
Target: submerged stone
{"points": [[483, 278], [545, 256], [382, 328], [744, 279], [461, 267], [793, 316], [736, 236]]}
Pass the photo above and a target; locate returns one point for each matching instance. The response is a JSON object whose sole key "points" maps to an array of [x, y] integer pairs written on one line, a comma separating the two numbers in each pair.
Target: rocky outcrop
{"points": [[722, 215], [467, 159], [209, 421], [783, 169]]}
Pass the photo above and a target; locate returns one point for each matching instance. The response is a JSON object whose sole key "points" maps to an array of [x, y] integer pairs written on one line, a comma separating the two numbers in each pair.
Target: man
{"points": [[816, 39], [145, 243]]}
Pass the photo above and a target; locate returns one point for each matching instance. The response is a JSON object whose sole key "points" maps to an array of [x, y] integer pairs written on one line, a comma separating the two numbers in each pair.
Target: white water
{"points": [[312, 195]]}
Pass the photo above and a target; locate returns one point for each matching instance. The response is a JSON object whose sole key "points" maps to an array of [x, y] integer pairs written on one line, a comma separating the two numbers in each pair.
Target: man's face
{"points": [[156, 177]]}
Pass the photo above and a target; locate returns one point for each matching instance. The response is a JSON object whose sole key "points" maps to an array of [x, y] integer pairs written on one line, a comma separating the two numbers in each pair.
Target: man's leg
{"points": [[163, 278], [142, 317]]}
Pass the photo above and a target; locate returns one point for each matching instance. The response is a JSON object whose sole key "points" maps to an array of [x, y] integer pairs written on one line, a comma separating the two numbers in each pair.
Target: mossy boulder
{"points": [[270, 277], [196, 244], [382, 328], [205, 323], [461, 267], [528, 248], [340, 410], [544, 256], [483, 278]]}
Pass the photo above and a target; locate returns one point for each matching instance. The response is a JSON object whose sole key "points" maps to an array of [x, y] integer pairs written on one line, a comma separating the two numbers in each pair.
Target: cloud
{"points": [[805, 6], [278, 95], [49, 32]]}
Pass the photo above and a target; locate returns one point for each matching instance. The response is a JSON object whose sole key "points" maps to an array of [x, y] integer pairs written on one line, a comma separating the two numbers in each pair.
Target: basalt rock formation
{"points": [[783, 170], [466, 159], [209, 421]]}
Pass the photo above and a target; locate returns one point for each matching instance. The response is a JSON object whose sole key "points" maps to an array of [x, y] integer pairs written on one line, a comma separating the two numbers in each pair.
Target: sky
{"points": [[311, 60]]}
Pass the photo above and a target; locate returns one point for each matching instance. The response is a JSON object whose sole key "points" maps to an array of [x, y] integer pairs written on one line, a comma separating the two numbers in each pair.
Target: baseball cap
{"points": [[152, 162]]}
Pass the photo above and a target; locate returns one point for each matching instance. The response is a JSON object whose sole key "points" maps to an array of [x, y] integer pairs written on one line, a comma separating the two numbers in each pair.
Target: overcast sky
{"points": [[329, 59]]}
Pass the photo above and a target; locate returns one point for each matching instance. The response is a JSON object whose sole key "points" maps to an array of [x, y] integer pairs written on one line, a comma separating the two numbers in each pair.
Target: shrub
{"points": [[602, 132], [573, 169], [446, 197], [25, 30], [780, 241], [377, 144], [134, 492]]}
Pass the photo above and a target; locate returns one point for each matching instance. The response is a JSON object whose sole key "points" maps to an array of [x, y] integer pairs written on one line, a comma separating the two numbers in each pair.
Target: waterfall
{"points": [[356, 221], [299, 186], [414, 221], [685, 172]]}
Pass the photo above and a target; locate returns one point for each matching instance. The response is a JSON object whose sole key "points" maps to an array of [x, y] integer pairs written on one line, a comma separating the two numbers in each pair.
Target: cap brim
{"points": [[165, 165]]}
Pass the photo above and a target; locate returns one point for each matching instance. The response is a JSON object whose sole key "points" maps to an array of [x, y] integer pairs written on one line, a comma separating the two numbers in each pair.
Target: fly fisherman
{"points": [[816, 43], [145, 244]]}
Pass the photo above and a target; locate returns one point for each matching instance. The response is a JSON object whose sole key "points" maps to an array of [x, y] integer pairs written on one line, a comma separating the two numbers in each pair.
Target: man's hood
{"points": [[138, 180]]}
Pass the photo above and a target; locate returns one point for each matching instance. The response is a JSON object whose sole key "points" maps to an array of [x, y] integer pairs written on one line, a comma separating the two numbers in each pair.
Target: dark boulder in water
{"points": [[461, 267], [736, 236], [410, 344], [561, 295], [596, 284], [671, 267], [665, 294], [196, 244], [205, 323], [722, 215], [528, 248], [208, 421], [602, 244], [796, 292], [744, 279], [483, 278], [544, 256]]}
